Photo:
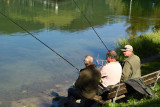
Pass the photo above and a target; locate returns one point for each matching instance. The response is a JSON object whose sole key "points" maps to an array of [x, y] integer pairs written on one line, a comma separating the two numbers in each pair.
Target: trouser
{"points": [[74, 94], [103, 91]]}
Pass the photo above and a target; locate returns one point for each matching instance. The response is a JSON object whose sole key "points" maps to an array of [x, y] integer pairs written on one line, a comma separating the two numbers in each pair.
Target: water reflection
{"points": [[130, 9], [63, 14], [27, 68]]}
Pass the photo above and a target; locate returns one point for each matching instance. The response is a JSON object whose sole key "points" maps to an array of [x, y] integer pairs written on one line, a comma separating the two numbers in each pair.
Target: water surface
{"points": [[27, 68]]}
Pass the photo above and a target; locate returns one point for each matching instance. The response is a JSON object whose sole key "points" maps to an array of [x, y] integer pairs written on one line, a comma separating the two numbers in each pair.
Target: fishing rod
{"points": [[91, 25], [39, 40]]}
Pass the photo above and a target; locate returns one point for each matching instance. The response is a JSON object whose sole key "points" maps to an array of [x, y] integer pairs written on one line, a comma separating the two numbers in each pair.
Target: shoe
{"points": [[78, 101]]}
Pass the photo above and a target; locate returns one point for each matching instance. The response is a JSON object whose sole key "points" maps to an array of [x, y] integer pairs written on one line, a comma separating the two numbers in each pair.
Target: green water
{"points": [[26, 64]]}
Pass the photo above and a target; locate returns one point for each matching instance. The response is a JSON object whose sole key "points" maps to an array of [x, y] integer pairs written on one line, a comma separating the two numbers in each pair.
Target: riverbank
{"points": [[45, 100], [148, 67], [149, 64], [146, 46]]}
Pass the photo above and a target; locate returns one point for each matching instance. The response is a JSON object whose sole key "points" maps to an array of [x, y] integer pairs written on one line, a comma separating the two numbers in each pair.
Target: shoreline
{"points": [[45, 99]]}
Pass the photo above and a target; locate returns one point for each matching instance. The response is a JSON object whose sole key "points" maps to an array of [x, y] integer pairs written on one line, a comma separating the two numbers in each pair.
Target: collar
{"points": [[129, 57]]}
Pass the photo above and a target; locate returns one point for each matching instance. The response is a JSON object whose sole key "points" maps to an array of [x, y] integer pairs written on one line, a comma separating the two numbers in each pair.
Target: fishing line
{"points": [[39, 40], [90, 25]]}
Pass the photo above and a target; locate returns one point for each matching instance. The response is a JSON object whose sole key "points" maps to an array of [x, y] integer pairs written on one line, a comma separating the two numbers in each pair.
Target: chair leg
{"points": [[114, 99], [156, 79]]}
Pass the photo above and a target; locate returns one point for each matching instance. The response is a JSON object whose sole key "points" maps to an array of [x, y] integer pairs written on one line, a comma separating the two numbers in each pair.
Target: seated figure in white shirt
{"points": [[112, 71]]}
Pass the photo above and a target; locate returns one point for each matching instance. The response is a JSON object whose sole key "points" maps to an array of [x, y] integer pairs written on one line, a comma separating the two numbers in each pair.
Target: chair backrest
{"points": [[122, 90], [148, 79], [151, 78]]}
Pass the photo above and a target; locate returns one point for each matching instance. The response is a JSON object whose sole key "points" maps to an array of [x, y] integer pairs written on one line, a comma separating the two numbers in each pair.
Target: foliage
{"points": [[40, 14], [144, 102], [144, 46], [150, 67]]}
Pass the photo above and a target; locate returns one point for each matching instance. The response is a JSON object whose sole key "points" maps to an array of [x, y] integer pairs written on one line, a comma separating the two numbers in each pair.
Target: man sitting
{"points": [[132, 64], [112, 71], [87, 83]]}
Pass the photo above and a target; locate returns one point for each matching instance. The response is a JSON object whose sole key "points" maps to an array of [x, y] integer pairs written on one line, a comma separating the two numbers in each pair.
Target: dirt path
{"points": [[150, 58]]}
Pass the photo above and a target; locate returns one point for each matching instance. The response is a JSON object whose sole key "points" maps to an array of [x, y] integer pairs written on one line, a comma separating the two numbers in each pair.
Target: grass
{"points": [[150, 66], [144, 46], [144, 102]]}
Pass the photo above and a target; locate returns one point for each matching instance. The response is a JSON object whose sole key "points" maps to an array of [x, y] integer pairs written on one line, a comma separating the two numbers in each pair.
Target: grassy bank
{"points": [[146, 68], [144, 46]]}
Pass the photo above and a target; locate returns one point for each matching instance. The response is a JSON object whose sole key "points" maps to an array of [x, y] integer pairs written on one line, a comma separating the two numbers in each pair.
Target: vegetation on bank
{"points": [[144, 102], [144, 46]]}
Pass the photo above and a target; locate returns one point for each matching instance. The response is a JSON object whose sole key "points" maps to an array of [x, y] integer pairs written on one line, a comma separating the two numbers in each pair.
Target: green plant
{"points": [[144, 46], [29, 106], [144, 102]]}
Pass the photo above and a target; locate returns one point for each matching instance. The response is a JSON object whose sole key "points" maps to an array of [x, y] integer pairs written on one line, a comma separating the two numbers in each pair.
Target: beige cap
{"points": [[127, 48]]}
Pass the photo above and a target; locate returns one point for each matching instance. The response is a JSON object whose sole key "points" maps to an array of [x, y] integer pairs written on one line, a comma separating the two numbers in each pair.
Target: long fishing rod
{"points": [[91, 25], [38, 40]]}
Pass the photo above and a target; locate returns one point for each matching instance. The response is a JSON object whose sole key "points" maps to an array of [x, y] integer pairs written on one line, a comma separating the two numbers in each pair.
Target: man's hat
{"points": [[127, 48]]}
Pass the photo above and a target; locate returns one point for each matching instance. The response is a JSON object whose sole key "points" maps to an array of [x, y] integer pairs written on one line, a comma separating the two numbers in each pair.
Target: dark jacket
{"points": [[88, 81], [131, 68]]}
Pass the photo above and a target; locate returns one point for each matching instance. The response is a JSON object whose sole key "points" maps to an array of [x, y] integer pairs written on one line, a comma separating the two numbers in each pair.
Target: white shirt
{"points": [[111, 73]]}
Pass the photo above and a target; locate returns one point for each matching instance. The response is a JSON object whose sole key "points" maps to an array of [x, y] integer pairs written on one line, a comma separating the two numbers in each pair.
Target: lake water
{"points": [[28, 68]]}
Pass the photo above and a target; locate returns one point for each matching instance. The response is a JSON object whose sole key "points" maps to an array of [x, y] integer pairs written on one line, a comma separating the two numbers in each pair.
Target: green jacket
{"points": [[131, 68], [88, 81]]}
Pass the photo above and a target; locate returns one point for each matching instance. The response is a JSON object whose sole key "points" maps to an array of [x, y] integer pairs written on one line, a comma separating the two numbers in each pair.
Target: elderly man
{"points": [[86, 85], [132, 64], [112, 71], [88, 79]]}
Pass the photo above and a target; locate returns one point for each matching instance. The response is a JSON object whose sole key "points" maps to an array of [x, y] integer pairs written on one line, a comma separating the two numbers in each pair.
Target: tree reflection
{"points": [[138, 15], [143, 15]]}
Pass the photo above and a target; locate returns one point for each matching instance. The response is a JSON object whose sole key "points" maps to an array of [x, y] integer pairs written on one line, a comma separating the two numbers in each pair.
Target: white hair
{"points": [[88, 60]]}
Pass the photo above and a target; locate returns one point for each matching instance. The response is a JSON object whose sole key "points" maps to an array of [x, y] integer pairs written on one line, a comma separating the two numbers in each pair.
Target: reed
{"points": [[144, 46]]}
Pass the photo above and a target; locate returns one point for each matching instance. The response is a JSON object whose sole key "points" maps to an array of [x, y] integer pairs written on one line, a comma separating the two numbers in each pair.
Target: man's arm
{"points": [[103, 72], [82, 79], [126, 71]]}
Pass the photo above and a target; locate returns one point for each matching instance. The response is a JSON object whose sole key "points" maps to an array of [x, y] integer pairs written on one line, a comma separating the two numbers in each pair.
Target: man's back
{"points": [[111, 73], [131, 68], [88, 81]]}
